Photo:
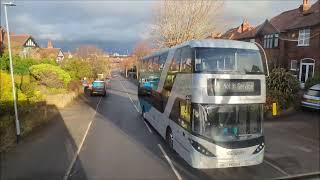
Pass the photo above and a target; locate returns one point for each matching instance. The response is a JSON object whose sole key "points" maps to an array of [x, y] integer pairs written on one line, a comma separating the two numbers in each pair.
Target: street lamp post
{"points": [[11, 71]]}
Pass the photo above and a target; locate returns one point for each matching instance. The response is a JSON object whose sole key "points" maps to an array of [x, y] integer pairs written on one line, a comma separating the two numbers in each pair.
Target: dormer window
{"points": [[271, 41], [304, 37]]}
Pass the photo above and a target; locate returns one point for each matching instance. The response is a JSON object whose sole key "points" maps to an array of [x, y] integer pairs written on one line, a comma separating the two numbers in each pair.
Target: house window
{"points": [[294, 65], [304, 37], [271, 41], [276, 40]]}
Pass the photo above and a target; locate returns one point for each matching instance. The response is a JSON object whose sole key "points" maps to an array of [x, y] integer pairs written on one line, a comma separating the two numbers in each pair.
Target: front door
{"points": [[306, 71]]}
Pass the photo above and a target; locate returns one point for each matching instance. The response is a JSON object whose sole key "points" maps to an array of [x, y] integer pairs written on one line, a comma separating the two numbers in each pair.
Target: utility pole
{"points": [[17, 122]]}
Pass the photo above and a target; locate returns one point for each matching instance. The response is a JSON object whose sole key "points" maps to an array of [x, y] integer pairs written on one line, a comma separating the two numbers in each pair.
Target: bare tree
{"points": [[179, 21], [140, 50]]}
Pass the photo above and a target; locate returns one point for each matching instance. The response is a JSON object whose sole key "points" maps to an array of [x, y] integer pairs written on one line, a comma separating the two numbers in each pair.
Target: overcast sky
{"points": [[118, 25]]}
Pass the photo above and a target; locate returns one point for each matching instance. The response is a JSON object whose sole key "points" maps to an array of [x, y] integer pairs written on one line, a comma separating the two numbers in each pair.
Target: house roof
{"points": [[294, 19], [49, 52], [249, 34], [18, 40], [256, 30], [233, 33], [291, 19]]}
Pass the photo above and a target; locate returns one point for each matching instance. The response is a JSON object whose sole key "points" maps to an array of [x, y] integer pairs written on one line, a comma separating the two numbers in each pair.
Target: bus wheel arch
{"points": [[169, 137]]}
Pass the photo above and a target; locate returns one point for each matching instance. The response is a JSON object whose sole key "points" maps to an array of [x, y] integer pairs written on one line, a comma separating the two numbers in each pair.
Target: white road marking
{"points": [[301, 148], [300, 175], [147, 126], [66, 176], [276, 167], [129, 97], [161, 149], [170, 162]]}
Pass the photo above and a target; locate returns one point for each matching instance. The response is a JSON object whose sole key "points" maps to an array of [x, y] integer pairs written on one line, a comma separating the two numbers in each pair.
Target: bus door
{"points": [[181, 135]]}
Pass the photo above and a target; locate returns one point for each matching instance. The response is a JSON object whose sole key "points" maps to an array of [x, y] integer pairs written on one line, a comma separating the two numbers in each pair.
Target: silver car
{"points": [[311, 99]]}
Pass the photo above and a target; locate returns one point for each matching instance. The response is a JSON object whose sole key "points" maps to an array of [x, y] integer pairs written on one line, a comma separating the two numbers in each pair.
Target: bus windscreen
{"points": [[228, 60]]}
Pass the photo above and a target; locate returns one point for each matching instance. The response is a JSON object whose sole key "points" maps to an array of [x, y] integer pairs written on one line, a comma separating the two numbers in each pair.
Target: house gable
{"points": [[262, 29], [60, 54], [30, 43], [267, 28]]}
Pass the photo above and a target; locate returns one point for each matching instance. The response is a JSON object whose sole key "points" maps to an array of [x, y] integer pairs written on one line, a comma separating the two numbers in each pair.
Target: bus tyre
{"points": [[169, 138]]}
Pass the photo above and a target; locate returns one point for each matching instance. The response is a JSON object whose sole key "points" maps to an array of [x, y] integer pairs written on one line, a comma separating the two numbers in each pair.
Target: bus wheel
{"points": [[169, 138]]}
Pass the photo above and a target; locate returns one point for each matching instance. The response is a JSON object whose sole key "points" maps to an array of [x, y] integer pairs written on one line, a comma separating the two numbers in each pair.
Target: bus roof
{"points": [[210, 43], [219, 43]]}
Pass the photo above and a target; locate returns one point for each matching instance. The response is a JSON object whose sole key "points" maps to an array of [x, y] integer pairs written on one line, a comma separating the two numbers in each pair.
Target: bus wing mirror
{"points": [[265, 57]]}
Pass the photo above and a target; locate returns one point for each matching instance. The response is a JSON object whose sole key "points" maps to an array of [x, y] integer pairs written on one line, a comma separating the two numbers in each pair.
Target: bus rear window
{"points": [[98, 84], [227, 60]]}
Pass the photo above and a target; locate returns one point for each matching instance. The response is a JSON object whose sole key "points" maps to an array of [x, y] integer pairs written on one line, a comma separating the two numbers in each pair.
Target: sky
{"points": [[116, 26]]}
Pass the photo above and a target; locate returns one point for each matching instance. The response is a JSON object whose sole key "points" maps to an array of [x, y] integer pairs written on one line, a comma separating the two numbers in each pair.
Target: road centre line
{"points": [[135, 106], [129, 97], [161, 149], [66, 176], [170, 162], [276, 167]]}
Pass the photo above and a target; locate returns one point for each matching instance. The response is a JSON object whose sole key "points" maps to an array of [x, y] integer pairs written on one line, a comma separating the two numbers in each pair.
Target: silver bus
{"points": [[205, 98]]}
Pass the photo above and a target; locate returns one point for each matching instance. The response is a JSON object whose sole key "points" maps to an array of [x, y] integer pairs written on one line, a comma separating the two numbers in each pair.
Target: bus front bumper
{"points": [[213, 162]]}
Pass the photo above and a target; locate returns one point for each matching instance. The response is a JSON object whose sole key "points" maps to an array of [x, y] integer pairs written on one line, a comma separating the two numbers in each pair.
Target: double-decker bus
{"points": [[205, 98]]}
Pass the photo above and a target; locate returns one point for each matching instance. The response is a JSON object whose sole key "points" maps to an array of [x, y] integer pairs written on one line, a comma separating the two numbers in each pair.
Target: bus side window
{"points": [[186, 59], [173, 70]]}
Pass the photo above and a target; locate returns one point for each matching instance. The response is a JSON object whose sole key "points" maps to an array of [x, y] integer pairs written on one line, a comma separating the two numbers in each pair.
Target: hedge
{"points": [[50, 75], [282, 88]]}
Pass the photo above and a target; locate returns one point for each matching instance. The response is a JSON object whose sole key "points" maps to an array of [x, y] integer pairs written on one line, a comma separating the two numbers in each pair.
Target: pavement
{"points": [[105, 138]]}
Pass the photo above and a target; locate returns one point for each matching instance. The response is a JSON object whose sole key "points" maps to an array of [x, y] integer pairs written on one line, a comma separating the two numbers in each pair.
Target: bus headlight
{"points": [[200, 148], [259, 148]]}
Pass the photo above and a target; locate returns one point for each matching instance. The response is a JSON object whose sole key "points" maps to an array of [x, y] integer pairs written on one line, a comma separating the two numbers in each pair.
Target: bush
{"points": [[78, 68], [6, 97], [29, 89], [312, 81], [50, 75], [74, 85], [21, 65], [282, 88]]}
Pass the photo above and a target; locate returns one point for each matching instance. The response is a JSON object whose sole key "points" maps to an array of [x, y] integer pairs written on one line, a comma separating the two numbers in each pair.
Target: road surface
{"points": [[105, 138], [120, 145]]}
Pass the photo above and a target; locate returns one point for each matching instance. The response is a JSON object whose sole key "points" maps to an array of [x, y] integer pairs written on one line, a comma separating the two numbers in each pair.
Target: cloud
{"points": [[123, 21], [120, 22], [256, 12]]}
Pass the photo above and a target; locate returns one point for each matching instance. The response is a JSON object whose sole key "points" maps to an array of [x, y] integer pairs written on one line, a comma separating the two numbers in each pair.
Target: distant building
{"points": [[291, 40], [68, 55]]}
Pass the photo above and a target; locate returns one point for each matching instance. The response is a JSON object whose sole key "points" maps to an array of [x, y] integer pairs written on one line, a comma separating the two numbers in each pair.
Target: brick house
{"points": [[49, 52], [291, 40], [21, 44]]}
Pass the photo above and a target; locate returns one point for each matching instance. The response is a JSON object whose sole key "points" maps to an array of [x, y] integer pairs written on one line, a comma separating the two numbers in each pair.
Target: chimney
{"points": [[50, 45], [305, 7], [245, 26]]}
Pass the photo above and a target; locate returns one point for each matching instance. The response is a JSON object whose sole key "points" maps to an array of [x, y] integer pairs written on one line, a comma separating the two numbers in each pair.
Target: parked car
{"points": [[99, 88], [311, 99]]}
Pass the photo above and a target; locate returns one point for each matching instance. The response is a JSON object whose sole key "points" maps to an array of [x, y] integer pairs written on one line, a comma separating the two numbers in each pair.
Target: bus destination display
{"points": [[234, 87]]}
